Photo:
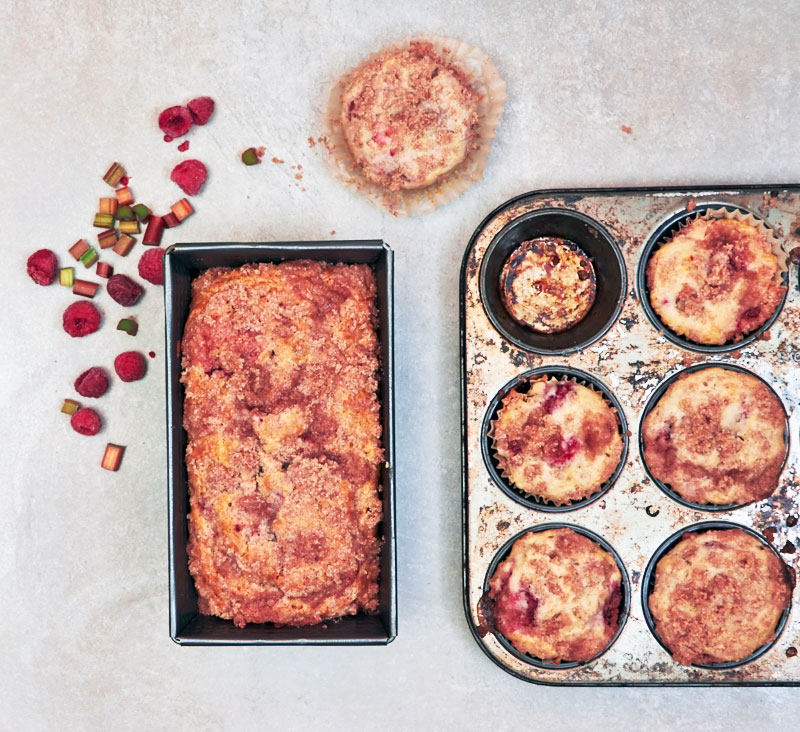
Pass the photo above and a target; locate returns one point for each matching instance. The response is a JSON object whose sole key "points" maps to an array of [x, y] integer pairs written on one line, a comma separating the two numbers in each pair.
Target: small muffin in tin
{"points": [[548, 284], [556, 596], [715, 280], [718, 596], [558, 441], [409, 117], [716, 436]]}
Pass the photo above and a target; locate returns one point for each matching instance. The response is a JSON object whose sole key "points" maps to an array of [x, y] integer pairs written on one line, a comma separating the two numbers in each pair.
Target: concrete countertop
{"points": [[709, 93]]}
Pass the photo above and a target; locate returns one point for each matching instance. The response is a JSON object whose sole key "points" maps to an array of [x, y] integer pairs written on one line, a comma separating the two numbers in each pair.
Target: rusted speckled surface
{"points": [[631, 359]]}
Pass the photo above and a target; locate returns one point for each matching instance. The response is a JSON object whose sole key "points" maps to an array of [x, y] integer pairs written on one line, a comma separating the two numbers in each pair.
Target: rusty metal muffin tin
{"points": [[632, 357]]}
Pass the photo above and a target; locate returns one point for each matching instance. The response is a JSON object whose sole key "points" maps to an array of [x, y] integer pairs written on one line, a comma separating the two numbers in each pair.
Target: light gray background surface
{"points": [[711, 93]]}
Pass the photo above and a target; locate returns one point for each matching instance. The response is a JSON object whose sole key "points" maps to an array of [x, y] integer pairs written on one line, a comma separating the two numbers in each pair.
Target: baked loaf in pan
{"points": [[280, 369]]}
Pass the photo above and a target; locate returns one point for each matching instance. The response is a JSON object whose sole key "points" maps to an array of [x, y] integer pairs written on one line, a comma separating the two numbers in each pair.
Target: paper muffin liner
{"points": [[491, 90], [490, 435]]}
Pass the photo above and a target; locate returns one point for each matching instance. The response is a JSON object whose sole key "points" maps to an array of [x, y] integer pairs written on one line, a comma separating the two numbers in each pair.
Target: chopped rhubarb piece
{"points": [[66, 276], [184, 146], [107, 238], [175, 121], [126, 213], [190, 175], [182, 209], [124, 196], [89, 257], [108, 206], [124, 244], [85, 288], [142, 212], [114, 175], [129, 325], [170, 220], [42, 267], [70, 406], [78, 248], [112, 457], [104, 269], [201, 109], [250, 157], [129, 227], [103, 220], [155, 226]]}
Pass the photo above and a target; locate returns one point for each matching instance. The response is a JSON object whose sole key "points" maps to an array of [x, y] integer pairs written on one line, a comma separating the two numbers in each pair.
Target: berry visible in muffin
{"points": [[548, 284], [557, 596]]}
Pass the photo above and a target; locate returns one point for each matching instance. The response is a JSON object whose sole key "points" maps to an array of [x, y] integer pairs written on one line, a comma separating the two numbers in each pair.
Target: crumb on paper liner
{"points": [[491, 90]]}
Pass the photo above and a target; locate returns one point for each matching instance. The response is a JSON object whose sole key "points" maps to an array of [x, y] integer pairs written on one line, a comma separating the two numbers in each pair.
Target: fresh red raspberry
{"points": [[43, 267], [190, 175], [81, 318], [92, 383], [151, 266], [123, 289], [85, 422], [201, 109], [130, 366], [175, 121]]}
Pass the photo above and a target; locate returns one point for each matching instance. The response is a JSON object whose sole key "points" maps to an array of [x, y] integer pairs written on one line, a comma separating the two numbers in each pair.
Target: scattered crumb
{"points": [[333, 231], [691, 205], [299, 176], [311, 142], [260, 151], [277, 161], [152, 354], [299, 167], [303, 190], [627, 130], [184, 146]]}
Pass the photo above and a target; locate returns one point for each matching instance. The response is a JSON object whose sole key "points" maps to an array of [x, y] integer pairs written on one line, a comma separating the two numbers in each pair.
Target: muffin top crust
{"points": [[718, 596], [557, 596], [559, 442], [715, 281], [548, 284], [409, 117], [717, 436]]}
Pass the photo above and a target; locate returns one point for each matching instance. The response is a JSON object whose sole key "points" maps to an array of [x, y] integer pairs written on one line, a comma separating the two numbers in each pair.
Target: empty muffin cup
{"points": [[787, 581], [567, 447], [605, 589], [672, 227], [599, 308]]}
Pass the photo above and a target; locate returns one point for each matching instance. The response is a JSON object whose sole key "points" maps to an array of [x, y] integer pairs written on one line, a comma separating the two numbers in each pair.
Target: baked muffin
{"points": [[716, 436], [283, 449], [558, 442], [556, 596], [718, 596], [409, 117], [715, 281], [548, 284]]}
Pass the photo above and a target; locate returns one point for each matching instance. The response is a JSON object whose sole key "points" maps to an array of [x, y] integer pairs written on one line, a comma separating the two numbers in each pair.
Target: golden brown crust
{"points": [[560, 441], [409, 117], [716, 436], [718, 596], [547, 284], [283, 452], [557, 596], [715, 281]]}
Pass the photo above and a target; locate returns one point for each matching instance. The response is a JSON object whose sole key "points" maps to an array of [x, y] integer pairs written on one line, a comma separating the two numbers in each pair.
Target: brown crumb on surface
{"points": [[277, 161], [788, 548], [298, 176], [691, 205], [261, 151], [333, 231], [627, 130], [311, 142]]}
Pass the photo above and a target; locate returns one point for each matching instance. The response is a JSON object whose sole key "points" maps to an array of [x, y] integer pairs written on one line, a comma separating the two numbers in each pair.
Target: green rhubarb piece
{"points": [[66, 276], [126, 213], [103, 220], [129, 227], [89, 257], [70, 406], [142, 212], [250, 157], [130, 326]]}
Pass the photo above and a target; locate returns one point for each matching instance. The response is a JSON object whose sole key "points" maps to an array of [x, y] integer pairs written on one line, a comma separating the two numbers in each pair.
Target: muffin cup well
{"points": [[562, 373], [594, 241], [491, 90], [653, 400], [502, 553], [671, 226], [649, 579]]}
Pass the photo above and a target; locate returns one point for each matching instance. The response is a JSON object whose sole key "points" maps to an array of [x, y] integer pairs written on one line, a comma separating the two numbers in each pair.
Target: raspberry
{"points": [[92, 383], [124, 290], [151, 266], [201, 109], [175, 121], [80, 319], [85, 422], [190, 176], [43, 267], [130, 366]]}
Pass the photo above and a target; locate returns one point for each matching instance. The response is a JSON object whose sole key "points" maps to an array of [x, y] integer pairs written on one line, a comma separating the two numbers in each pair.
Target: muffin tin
{"points": [[622, 348]]}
